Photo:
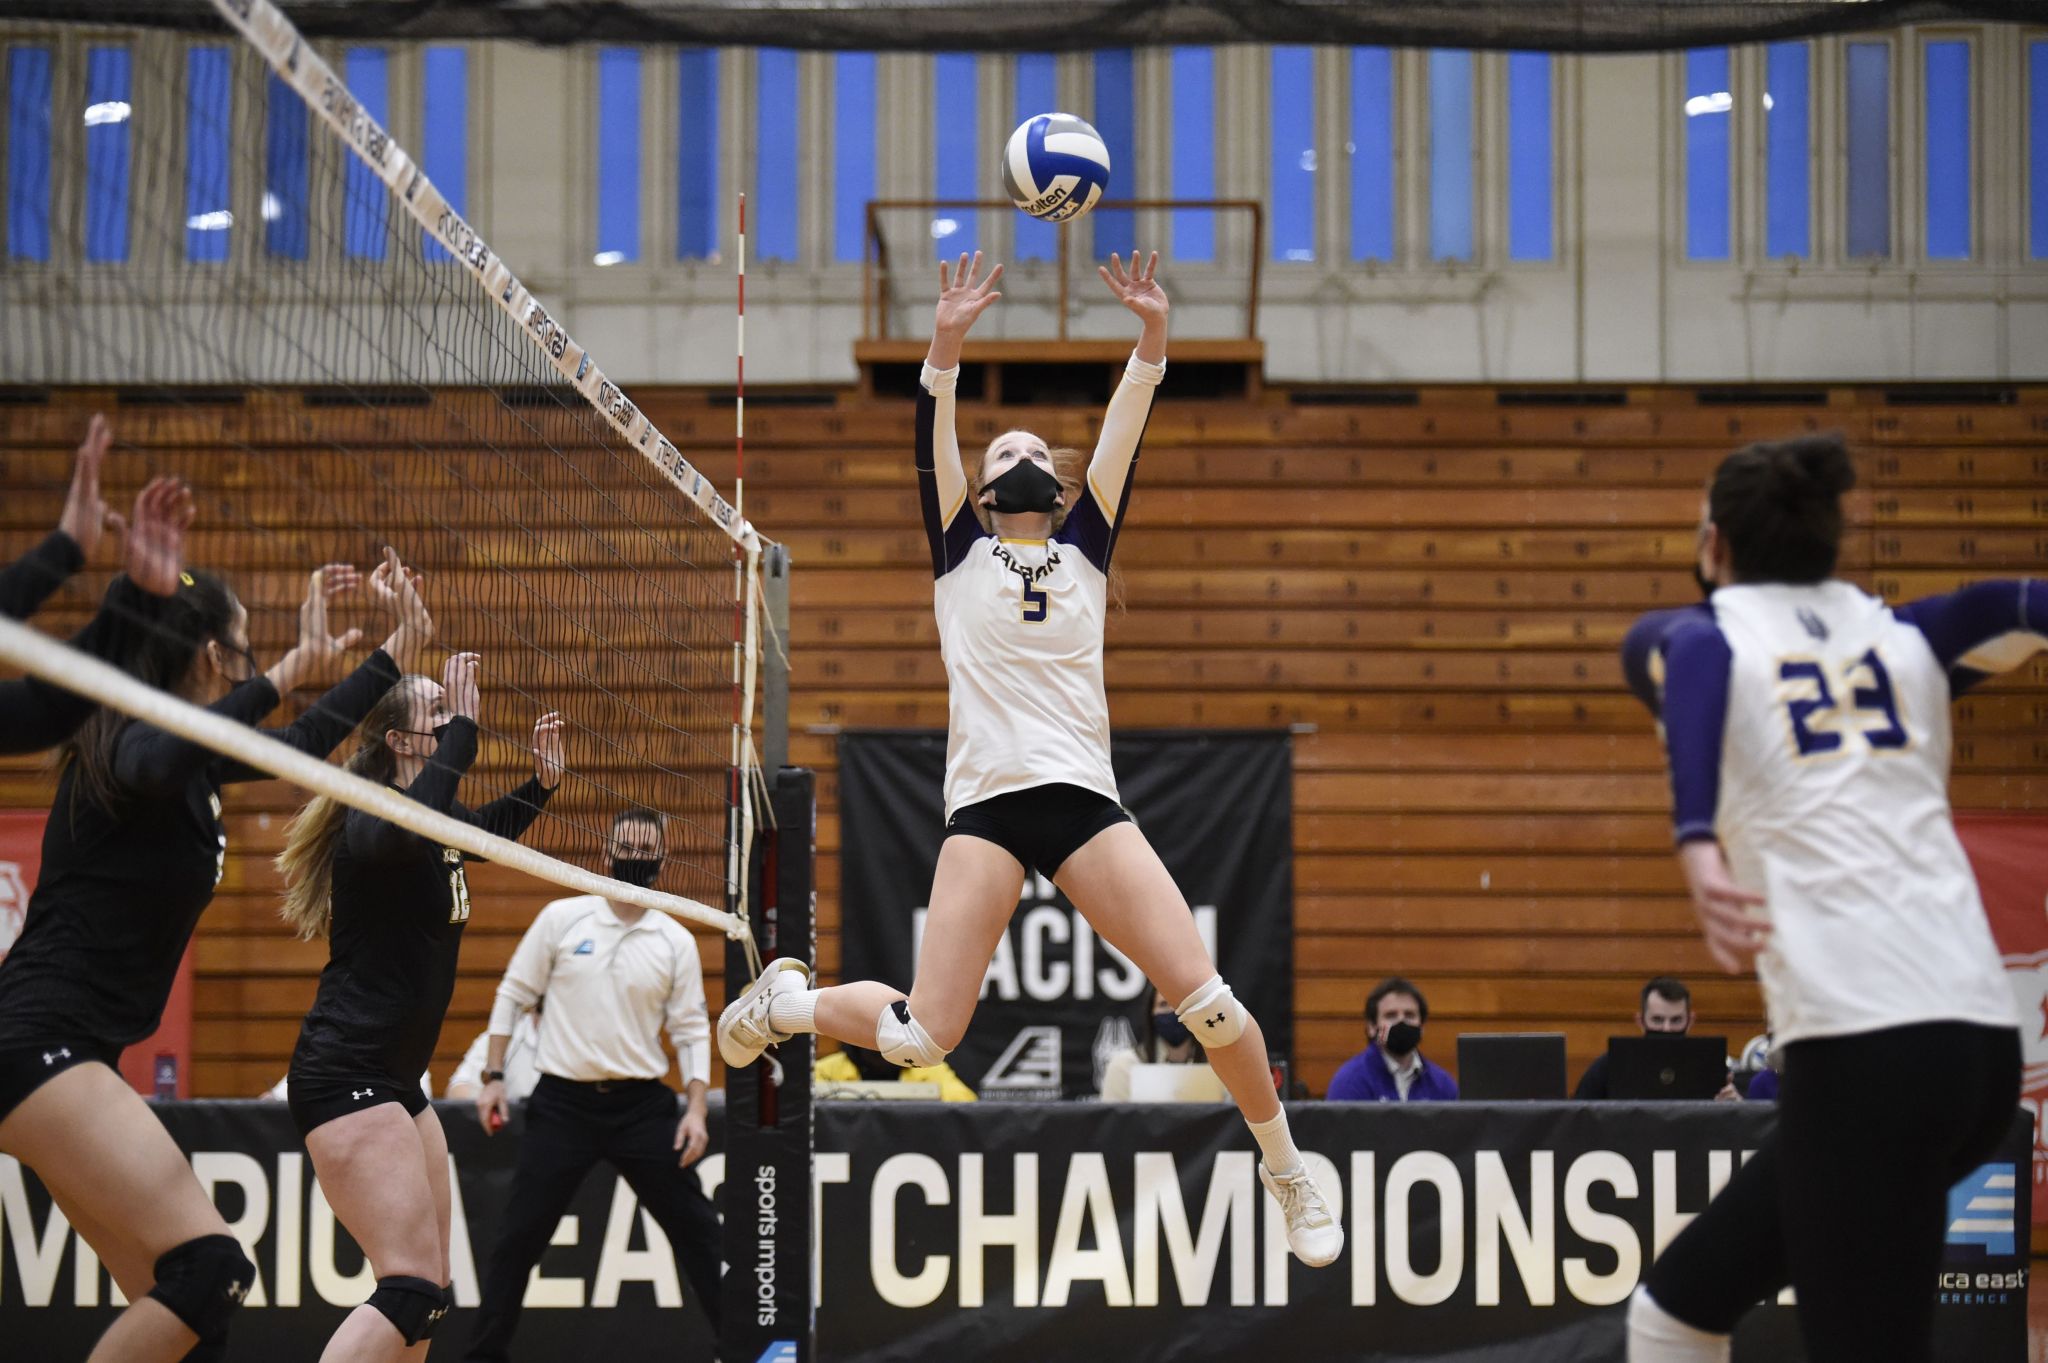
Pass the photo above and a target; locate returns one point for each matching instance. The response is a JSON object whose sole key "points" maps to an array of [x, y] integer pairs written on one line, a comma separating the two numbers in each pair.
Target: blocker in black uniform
{"points": [[393, 904], [34, 713], [131, 855]]}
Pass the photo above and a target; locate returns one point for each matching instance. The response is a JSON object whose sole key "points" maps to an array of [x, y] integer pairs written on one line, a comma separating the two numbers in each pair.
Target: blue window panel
{"points": [[1193, 76], [1037, 93], [1530, 213], [284, 172], [956, 172], [698, 229], [1708, 103], [1116, 118], [1868, 151], [853, 152], [1788, 165], [618, 156], [1946, 90], [1372, 153], [107, 110], [28, 153], [444, 136], [364, 202], [1294, 153], [1450, 155], [208, 202], [2037, 150], [776, 110]]}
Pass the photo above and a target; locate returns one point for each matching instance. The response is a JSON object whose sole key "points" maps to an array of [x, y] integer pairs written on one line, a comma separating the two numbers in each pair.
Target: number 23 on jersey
{"points": [[1826, 707]]}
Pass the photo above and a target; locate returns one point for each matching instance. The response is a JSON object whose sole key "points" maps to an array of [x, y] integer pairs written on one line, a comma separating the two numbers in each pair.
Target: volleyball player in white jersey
{"points": [[1021, 553], [1807, 728]]}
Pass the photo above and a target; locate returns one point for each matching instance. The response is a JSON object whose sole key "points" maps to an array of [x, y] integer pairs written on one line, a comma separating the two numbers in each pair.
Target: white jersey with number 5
{"points": [[1020, 621], [1808, 729]]}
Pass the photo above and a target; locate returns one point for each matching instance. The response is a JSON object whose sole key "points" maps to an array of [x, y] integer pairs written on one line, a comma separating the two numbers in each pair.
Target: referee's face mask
{"points": [[636, 853]]}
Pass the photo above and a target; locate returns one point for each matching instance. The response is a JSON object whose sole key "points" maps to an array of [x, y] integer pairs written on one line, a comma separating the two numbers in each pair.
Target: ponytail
{"points": [[310, 840]]}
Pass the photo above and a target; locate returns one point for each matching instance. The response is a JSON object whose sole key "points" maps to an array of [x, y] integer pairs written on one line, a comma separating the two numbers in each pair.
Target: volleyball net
{"points": [[214, 239]]}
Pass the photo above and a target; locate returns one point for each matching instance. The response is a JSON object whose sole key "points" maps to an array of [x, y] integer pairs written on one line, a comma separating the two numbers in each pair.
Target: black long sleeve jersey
{"points": [[121, 890], [400, 903], [34, 714]]}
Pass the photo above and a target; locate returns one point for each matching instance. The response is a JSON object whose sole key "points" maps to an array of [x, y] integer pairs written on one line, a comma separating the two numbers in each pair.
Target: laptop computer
{"points": [[1157, 1083], [1509, 1067], [1666, 1067]]}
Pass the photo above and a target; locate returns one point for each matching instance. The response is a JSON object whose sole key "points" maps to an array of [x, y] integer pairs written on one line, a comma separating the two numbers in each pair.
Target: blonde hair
{"points": [[310, 840]]}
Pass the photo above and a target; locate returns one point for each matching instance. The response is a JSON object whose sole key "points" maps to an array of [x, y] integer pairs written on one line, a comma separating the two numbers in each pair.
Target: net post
{"points": [[775, 659], [769, 1308]]}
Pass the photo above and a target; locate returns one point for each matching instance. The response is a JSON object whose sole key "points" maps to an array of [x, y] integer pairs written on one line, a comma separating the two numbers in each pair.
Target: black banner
{"points": [[1048, 1233], [609, 1288], [1510, 1234], [1057, 1000]]}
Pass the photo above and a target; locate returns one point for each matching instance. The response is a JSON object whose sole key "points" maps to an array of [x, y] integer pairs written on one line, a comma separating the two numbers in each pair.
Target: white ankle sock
{"points": [[1276, 1142], [1657, 1336], [794, 1012]]}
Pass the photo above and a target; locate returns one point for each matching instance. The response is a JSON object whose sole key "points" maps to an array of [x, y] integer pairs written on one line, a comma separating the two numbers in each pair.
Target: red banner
{"points": [[21, 856], [2010, 854]]}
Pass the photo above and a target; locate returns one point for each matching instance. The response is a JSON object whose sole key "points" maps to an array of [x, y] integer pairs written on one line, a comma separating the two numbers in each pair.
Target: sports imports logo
{"points": [[1980, 1212]]}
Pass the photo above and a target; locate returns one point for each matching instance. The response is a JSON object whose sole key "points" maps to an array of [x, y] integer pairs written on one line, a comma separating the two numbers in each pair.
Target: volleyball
{"points": [[1055, 167]]}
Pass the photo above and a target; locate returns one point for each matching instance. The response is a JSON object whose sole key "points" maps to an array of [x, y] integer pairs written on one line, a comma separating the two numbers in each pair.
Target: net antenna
{"points": [[294, 60]]}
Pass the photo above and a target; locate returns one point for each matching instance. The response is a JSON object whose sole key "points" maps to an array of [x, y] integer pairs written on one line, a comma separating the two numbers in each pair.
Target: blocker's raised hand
{"points": [[548, 758]]}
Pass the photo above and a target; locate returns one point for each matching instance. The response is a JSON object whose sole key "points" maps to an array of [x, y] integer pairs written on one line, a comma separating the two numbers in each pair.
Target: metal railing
{"points": [[877, 284]]}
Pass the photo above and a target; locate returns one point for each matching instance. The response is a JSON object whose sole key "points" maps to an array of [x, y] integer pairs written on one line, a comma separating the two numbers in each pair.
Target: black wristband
{"points": [[494, 1076]]}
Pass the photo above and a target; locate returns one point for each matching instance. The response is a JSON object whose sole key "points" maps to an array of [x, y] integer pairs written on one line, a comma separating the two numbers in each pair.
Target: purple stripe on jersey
{"points": [[1696, 665], [1962, 621], [949, 541]]}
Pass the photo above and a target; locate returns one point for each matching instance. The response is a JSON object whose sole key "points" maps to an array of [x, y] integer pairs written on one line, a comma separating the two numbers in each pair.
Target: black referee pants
{"points": [[569, 1129], [1848, 1200]]}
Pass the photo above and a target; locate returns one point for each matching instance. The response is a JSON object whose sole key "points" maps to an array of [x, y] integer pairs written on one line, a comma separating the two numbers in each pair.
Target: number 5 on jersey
{"points": [[1037, 604], [1816, 714]]}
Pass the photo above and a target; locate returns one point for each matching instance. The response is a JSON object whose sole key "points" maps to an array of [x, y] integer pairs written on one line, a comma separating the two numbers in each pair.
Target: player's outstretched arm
{"points": [[941, 477], [1985, 628]]}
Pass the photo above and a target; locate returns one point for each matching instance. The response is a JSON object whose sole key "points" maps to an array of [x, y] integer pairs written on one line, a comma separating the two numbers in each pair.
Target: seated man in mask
{"points": [[1391, 1068]]}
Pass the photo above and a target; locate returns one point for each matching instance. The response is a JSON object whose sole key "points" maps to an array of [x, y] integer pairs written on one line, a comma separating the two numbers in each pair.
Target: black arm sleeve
{"points": [[375, 839], [28, 581], [149, 761], [35, 714], [513, 812], [329, 720]]}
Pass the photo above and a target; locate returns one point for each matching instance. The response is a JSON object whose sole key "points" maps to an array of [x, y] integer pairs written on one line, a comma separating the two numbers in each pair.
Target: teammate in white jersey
{"points": [[1021, 553], [1807, 728]]}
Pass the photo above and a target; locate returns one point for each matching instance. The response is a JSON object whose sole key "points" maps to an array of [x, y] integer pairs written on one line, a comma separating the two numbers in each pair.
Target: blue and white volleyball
{"points": [[1055, 167]]}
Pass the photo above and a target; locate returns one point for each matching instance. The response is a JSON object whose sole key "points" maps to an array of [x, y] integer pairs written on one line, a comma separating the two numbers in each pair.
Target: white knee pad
{"points": [[902, 1042], [1213, 1014], [1657, 1336]]}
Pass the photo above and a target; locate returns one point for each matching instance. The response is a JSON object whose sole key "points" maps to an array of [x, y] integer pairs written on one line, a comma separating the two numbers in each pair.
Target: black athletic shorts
{"points": [[317, 1101], [1042, 826], [25, 1068]]}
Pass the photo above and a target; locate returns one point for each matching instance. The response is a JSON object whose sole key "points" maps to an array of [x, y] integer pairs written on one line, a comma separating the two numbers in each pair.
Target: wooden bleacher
{"points": [[1435, 581]]}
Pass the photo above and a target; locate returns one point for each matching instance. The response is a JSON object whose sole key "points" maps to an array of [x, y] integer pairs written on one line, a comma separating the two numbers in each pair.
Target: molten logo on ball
{"points": [[1055, 167]]}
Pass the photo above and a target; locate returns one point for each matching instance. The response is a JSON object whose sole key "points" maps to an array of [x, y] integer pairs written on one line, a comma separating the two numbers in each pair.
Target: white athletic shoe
{"points": [[743, 1030], [1312, 1233]]}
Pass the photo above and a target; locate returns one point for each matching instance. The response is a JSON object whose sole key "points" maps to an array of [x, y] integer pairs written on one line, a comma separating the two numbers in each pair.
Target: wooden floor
{"points": [[1430, 587]]}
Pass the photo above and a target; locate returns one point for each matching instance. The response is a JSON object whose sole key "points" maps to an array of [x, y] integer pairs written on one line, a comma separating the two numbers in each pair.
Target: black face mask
{"points": [[1027, 487], [1170, 1029], [1402, 1039], [639, 871]]}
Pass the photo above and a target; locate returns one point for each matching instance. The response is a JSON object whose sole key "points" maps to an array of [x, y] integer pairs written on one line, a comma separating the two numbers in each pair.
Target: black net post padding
{"points": [[1076, 25], [769, 1309]]}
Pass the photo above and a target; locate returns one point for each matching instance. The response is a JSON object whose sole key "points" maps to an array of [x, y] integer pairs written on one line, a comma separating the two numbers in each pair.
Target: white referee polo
{"points": [[611, 988]]}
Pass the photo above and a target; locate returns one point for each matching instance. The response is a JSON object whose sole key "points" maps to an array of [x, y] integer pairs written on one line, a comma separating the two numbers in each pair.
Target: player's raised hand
{"points": [[962, 297], [459, 686], [156, 535], [1135, 288], [1731, 918], [395, 590], [319, 651], [547, 750], [85, 512]]}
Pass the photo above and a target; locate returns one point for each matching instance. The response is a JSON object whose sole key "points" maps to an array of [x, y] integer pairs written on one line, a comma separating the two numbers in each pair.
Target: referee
{"points": [[614, 975]]}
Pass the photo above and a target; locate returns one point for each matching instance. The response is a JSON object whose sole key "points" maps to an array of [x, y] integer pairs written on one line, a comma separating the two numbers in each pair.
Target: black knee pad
{"points": [[201, 1282], [413, 1305]]}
